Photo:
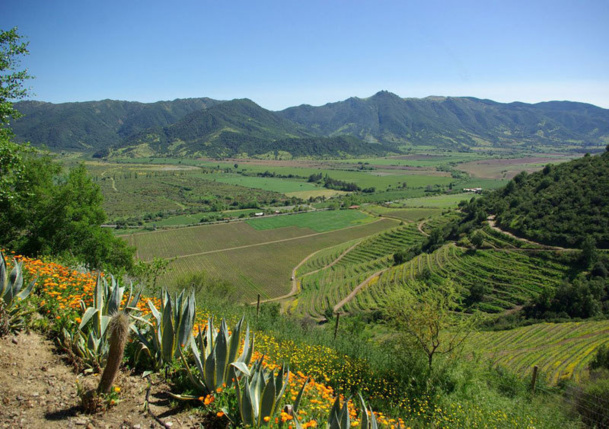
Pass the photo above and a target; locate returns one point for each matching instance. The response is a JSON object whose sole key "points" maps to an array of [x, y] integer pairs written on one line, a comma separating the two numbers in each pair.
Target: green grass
{"points": [[322, 221]]}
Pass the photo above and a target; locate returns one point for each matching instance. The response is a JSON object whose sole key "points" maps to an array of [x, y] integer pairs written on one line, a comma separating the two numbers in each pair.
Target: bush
{"points": [[601, 359]]}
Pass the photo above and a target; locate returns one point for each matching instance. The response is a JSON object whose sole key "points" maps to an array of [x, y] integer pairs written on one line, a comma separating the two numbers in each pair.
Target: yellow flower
{"points": [[117, 389]]}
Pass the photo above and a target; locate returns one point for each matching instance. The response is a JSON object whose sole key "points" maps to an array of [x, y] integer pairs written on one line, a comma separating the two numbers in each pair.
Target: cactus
{"points": [[90, 341], [118, 329]]}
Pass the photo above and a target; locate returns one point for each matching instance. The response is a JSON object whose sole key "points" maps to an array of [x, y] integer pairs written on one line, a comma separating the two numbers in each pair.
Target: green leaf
{"points": [[267, 402]]}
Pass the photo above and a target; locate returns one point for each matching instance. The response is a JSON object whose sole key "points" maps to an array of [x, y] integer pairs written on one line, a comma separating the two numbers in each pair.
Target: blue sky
{"points": [[285, 53]]}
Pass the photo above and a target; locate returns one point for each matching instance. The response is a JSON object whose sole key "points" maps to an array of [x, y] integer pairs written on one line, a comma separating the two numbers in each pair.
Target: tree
{"points": [[11, 79], [43, 210], [427, 317]]}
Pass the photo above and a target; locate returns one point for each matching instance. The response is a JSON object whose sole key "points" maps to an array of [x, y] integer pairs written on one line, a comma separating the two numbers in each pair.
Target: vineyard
{"points": [[331, 275], [561, 350], [509, 278]]}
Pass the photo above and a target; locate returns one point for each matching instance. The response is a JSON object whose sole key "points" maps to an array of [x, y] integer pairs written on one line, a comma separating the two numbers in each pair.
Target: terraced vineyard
{"points": [[509, 278], [561, 350], [332, 274]]}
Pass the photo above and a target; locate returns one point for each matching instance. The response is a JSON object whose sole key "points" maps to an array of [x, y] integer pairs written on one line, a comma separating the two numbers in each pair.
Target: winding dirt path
{"points": [[358, 288], [493, 224], [420, 227]]}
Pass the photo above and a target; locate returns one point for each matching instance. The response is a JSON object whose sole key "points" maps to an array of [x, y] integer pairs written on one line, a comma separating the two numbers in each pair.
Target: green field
{"points": [[322, 221], [280, 185]]}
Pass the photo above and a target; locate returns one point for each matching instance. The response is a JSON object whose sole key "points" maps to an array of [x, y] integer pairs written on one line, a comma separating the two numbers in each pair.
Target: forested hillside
{"points": [[561, 205]]}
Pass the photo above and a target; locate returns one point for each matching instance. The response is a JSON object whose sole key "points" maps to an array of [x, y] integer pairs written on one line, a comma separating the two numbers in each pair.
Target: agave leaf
{"points": [[345, 420], [248, 413], [209, 336], [26, 292], [155, 312], [365, 422], [16, 278], [3, 275], [98, 293], [187, 322], [87, 316], [233, 341], [210, 371], [221, 352], [333, 418], [267, 402], [167, 338], [241, 367]]}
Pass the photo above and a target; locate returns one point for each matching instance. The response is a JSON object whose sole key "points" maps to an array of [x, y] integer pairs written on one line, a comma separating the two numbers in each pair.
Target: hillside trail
{"points": [[420, 227], [39, 390], [493, 224], [294, 289]]}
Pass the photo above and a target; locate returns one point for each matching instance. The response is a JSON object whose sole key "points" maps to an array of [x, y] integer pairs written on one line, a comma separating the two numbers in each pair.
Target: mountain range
{"points": [[383, 123]]}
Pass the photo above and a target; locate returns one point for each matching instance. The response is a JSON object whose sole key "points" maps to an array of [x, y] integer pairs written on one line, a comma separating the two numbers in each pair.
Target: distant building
{"points": [[259, 214], [354, 207], [474, 190]]}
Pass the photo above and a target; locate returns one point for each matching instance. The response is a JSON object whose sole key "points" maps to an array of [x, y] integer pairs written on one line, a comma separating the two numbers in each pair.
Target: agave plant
{"points": [[171, 330], [89, 341], [339, 417], [11, 295], [215, 355], [261, 393]]}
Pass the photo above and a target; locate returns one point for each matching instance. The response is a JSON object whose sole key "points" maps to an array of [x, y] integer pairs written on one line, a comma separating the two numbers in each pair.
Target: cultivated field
{"points": [[256, 261]]}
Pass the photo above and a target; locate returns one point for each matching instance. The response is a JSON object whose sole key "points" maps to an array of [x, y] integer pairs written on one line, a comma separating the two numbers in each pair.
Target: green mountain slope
{"points": [[458, 122], [241, 128], [96, 125]]}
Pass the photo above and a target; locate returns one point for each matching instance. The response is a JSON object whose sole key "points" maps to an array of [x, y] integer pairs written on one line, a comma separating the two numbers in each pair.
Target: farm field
{"points": [[561, 350], [436, 201], [280, 185], [408, 215], [508, 168], [207, 238], [321, 221], [264, 265]]}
